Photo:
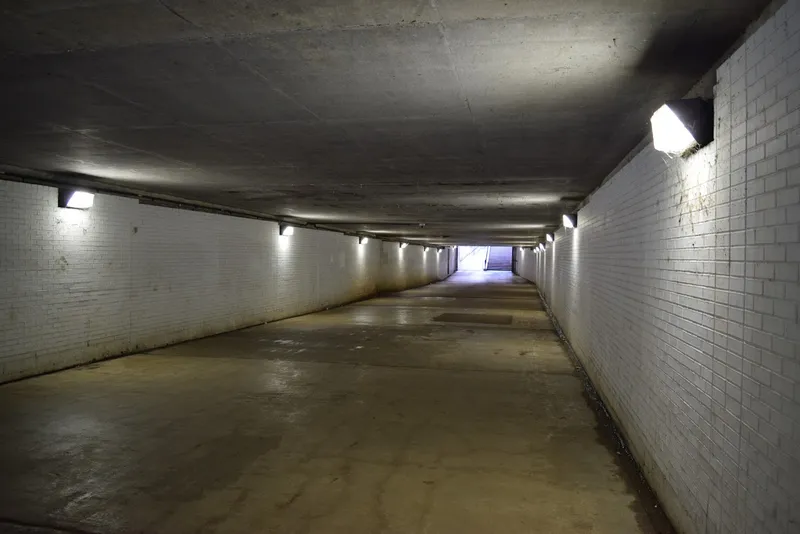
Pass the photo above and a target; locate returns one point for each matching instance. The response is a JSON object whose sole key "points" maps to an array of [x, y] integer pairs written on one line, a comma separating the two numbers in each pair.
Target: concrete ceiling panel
{"points": [[475, 119]]}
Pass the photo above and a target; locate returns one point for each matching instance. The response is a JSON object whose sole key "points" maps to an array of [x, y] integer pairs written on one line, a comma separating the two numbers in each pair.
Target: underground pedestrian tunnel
{"points": [[400, 267]]}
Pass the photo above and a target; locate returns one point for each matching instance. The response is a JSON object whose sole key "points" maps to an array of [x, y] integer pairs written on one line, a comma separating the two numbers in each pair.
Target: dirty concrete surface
{"points": [[371, 417]]}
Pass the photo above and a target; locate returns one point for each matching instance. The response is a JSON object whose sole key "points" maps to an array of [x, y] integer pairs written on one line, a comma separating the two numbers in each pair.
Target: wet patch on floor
{"points": [[650, 516], [477, 318]]}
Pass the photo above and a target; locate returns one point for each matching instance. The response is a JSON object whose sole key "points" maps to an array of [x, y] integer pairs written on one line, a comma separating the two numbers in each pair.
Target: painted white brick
{"points": [[789, 158], [776, 146], [789, 196], [78, 286], [788, 122], [793, 96], [767, 132], [755, 154], [787, 233], [655, 244]]}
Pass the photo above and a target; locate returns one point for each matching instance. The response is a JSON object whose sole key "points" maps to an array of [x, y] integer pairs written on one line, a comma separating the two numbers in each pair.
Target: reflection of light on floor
{"points": [[283, 377], [365, 315], [383, 315], [403, 316], [286, 378], [80, 424]]}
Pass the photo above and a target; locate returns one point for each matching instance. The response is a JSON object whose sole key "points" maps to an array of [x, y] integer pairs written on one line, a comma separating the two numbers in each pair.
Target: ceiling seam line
{"points": [[255, 72]]}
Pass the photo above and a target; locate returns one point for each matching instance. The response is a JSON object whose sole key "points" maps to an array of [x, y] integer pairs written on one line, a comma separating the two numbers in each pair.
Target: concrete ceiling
{"points": [[483, 120]]}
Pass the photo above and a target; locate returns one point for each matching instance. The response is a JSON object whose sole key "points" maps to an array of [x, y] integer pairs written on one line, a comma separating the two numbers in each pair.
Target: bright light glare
{"points": [[403, 245], [541, 247], [549, 238], [287, 230], [669, 133], [568, 222], [81, 200], [363, 240]]}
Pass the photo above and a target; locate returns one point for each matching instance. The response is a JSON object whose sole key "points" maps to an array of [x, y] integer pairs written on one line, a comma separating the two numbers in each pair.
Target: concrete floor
{"points": [[372, 417]]}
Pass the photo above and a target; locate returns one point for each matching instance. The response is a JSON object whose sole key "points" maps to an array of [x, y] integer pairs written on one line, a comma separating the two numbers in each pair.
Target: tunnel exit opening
{"points": [[484, 258]]}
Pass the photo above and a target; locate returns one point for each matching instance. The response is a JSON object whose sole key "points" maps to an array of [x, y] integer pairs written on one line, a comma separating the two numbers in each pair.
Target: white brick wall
{"points": [[77, 286], [679, 292], [409, 267]]}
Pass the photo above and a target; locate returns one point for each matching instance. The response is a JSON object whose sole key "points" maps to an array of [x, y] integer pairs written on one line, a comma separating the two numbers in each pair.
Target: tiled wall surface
{"points": [[679, 293], [77, 286]]}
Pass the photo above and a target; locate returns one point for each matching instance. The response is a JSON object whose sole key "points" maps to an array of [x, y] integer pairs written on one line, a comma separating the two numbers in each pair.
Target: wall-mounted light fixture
{"points": [[570, 221], [541, 247], [73, 198], [403, 245], [549, 238], [683, 125], [425, 248], [439, 250], [363, 240], [286, 230]]}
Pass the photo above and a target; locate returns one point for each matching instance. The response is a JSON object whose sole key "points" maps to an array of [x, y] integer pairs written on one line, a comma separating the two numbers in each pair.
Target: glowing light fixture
{"points": [[541, 247], [550, 238], [71, 198], [363, 240], [570, 221], [425, 248], [287, 230], [682, 125], [403, 245]]}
